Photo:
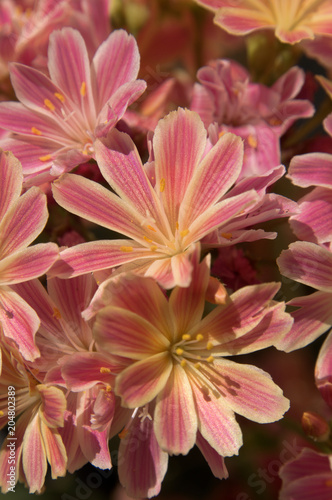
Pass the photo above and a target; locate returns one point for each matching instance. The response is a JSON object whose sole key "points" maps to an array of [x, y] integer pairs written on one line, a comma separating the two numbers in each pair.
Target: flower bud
{"points": [[315, 426]]}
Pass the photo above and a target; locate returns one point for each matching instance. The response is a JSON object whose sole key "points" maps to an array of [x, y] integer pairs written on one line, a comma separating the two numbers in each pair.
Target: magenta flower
{"points": [[22, 218], [258, 114], [308, 476], [59, 118], [40, 410], [292, 22], [182, 196], [175, 376]]}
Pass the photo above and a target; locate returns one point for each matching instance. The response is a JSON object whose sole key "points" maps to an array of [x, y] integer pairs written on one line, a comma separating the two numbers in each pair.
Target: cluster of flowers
{"points": [[131, 334]]}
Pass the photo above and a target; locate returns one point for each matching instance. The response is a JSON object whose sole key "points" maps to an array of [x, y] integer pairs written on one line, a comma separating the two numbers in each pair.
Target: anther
{"points": [[186, 336], [209, 346], [45, 158], [104, 369], [49, 104], [179, 351], [83, 89], [162, 185], [126, 249], [59, 96], [199, 337], [36, 131]]}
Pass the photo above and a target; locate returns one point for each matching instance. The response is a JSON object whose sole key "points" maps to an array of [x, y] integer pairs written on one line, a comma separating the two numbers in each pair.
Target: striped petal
{"points": [[11, 179], [55, 451], [215, 461], [312, 169], [323, 370], [34, 456]]}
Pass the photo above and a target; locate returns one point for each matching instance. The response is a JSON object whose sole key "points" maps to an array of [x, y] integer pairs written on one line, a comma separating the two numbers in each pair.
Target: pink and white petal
{"points": [[66, 51], [175, 419], [178, 144], [141, 382], [55, 451], [275, 324], [307, 263], [34, 455], [97, 255], [327, 123], [161, 271], [216, 420], [181, 269], [116, 62], [187, 304], [29, 263], [23, 222], [121, 166], [314, 223], [11, 179], [313, 318], [312, 169], [215, 461], [323, 370], [248, 391], [90, 200], [142, 463], [294, 36], [241, 21], [53, 405], [83, 370], [19, 322], [307, 463], [308, 487], [214, 176], [124, 333]]}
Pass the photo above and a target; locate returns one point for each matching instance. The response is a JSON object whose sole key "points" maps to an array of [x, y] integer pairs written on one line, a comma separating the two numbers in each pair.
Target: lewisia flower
{"points": [[178, 198], [40, 410], [175, 377], [292, 21], [308, 476], [58, 119], [22, 218], [258, 114]]}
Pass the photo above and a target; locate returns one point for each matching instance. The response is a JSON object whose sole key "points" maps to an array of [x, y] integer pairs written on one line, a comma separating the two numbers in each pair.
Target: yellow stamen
{"points": [[184, 232], [56, 313], [49, 104], [162, 185], [186, 336], [228, 236], [151, 228], [252, 141], [59, 96], [199, 337], [197, 366], [108, 388], [209, 346], [126, 249], [45, 158], [221, 133], [153, 248], [123, 433], [210, 359], [147, 239], [1, 413], [183, 363], [179, 351], [177, 225], [36, 131], [104, 369], [83, 89]]}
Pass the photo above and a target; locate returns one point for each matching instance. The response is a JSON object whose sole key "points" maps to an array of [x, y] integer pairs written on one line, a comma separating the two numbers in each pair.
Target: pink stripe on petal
{"points": [[11, 179], [240, 21], [215, 461], [19, 322], [55, 451], [28, 263], [161, 271], [307, 263], [175, 419], [323, 370], [83, 370], [23, 222], [141, 382], [53, 405], [34, 456], [312, 169]]}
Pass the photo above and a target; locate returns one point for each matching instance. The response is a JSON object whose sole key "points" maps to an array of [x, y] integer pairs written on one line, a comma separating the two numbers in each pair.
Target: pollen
{"points": [[184, 232], [1, 413], [153, 248], [126, 249], [104, 369], [227, 236], [210, 359], [252, 141], [186, 336], [209, 346], [221, 133], [83, 89], [177, 225], [45, 158], [56, 313], [36, 131], [162, 185], [59, 96], [147, 239], [151, 228], [49, 104], [179, 351], [183, 363], [108, 388], [199, 337]]}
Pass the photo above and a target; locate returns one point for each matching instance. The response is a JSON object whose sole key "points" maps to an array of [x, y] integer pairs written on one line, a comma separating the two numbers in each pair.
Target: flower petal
{"points": [[215, 461], [34, 456], [312, 169], [11, 179]]}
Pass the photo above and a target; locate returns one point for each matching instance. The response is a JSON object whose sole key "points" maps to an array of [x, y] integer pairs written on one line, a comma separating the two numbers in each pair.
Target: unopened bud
{"points": [[315, 426]]}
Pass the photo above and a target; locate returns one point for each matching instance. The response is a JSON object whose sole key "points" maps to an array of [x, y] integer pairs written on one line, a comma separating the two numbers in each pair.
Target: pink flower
{"points": [[183, 195], [258, 114], [308, 476], [175, 377], [59, 118], [39, 409], [22, 218], [292, 22]]}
